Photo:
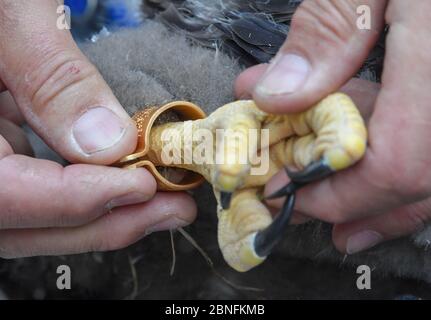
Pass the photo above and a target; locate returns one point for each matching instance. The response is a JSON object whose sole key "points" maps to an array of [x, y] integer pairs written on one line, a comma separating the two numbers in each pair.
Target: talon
{"points": [[267, 239], [287, 190], [225, 199], [315, 171]]}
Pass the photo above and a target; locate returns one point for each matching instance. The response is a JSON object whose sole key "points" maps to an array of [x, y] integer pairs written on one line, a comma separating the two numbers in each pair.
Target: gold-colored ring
{"points": [[144, 121]]}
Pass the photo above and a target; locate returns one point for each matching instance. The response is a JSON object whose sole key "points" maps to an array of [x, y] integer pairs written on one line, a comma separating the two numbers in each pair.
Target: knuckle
{"points": [[332, 21], [54, 79]]}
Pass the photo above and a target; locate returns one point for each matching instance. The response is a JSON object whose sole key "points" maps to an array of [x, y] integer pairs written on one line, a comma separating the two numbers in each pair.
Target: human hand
{"points": [[46, 209], [387, 195]]}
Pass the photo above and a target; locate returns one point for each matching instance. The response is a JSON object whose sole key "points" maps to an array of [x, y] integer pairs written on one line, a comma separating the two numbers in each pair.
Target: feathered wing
{"points": [[251, 31]]}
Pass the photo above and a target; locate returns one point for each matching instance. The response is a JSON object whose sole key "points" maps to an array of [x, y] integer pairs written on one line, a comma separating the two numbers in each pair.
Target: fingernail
{"points": [[362, 241], [169, 224], [286, 75], [128, 199], [98, 129]]}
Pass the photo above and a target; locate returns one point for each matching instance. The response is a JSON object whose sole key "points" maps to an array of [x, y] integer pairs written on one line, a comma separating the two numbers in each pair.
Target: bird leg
{"points": [[310, 145]]}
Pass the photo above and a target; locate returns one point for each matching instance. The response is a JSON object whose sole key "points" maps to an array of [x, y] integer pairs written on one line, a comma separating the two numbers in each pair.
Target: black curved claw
{"points": [[267, 239], [225, 198], [288, 189], [314, 171]]}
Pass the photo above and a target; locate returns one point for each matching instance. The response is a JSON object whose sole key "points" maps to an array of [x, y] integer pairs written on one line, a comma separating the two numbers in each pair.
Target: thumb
{"points": [[60, 93], [324, 49]]}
